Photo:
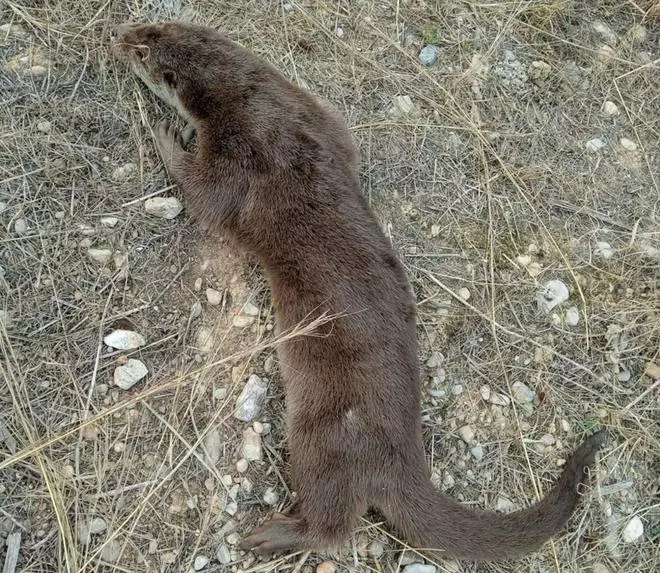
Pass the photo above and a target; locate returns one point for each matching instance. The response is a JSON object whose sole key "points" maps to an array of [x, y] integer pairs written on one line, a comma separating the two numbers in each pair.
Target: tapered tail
{"points": [[429, 520]]}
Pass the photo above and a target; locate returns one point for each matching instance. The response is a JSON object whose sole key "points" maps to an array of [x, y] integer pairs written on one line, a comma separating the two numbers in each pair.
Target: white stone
{"points": [[251, 399], [594, 145], [402, 105], [242, 321], [605, 32], [251, 447], [604, 250], [213, 296], [504, 504], [610, 109], [547, 439], [200, 562], [21, 226], [212, 446], [633, 531], [111, 551], [223, 555], [477, 452], [628, 144], [572, 316], [97, 525], [124, 339], [428, 55], [552, 294], [127, 375], [464, 293], [102, 256], [467, 434], [250, 309], [638, 33], [419, 568], [271, 497], [205, 340], [165, 207], [122, 172], [109, 221], [44, 126], [242, 466], [522, 393]]}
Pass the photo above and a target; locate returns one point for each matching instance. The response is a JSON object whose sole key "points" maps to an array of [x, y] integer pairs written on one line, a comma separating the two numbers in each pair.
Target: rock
{"points": [[127, 375], [419, 568], [552, 294], [196, 309], [504, 504], [21, 226], [223, 554], [97, 526], [605, 54], [572, 316], [213, 297], [251, 447], [200, 562], [241, 466], [198, 284], [485, 393], [457, 389], [627, 144], [539, 71], [609, 109], [511, 73], [477, 452], [604, 250], [109, 221], [124, 339], [428, 55], [522, 393], [111, 551], [44, 126], [102, 256], [165, 207], [271, 497], [376, 549], [242, 321], [205, 340], [652, 370], [594, 145], [547, 439], [605, 32], [326, 567], [250, 309], [269, 364], [251, 399], [467, 434], [600, 568], [123, 172], [213, 446], [436, 359], [402, 105], [633, 531], [464, 293]]}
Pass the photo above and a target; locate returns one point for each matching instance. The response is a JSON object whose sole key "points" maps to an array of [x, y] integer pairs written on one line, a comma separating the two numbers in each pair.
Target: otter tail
{"points": [[429, 520]]}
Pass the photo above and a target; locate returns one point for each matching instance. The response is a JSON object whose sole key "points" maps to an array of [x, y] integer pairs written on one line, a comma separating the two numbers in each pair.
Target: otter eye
{"points": [[170, 78]]}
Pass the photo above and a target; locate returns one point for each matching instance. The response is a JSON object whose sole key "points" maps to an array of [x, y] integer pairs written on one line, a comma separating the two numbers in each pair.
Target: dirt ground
{"points": [[527, 152]]}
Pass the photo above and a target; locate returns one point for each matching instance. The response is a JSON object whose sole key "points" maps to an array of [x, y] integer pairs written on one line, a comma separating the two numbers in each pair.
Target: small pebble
{"points": [[196, 309], [97, 526], [467, 434], [121, 173], [402, 105], [129, 374], [464, 293], [213, 446], [21, 226], [610, 109], [250, 309], [198, 284], [121, 339], [419, 568], [504, 504], [633, 531], [572, 316], [428, 55], [251, 447], [242, 321], [628, 144], [435, 360], [326, 567], [604, 250], [552, 294], [477, 452], [251, 399], [102, 256], [44, 126], [376, 549], [242, 466], [522, 393], [213, 297], [200, 562], [164, 207], [595, 145], [205, 340], [109, 221], [271, 497], [652, 370], [223, 555], [600, 568], [111, 551], [547, 439], [457, 389], [638, 33]]}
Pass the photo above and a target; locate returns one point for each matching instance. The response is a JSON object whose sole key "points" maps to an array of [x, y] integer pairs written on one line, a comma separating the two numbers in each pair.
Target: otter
{"points": [[276, 172]]}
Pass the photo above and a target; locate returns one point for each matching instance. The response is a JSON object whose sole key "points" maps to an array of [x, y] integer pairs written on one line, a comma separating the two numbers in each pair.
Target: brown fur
{"points": [[277, 171]]}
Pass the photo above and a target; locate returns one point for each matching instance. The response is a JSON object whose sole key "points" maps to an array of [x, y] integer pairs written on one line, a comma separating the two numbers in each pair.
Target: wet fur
{"points": [[277, 171]]}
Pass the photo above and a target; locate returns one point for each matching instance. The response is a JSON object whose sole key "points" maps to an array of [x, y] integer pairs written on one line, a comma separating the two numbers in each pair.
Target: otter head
{"points": [[180, 62]]}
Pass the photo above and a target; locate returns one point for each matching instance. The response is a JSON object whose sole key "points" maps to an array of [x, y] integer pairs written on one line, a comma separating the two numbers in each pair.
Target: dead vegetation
{"points": [[502, 169]]}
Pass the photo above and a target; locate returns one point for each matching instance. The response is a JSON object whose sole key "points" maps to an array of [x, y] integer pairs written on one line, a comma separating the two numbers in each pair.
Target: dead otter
{"points": [[277, 171]]}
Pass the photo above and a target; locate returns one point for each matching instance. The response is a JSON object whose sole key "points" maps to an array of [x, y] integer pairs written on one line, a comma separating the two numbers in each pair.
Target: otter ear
{"points": [[170, 78]]}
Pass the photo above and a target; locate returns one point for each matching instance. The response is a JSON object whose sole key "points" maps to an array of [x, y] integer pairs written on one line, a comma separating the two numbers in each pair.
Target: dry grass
{"points": [[487, 165]]}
